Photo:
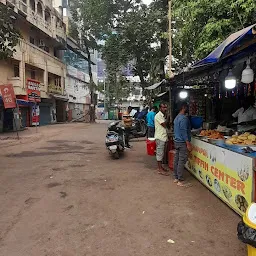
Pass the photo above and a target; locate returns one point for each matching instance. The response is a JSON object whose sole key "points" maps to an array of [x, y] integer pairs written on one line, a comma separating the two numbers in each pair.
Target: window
{"points": [[33, 74], [57, 81], [47, 16], [16, 71], [40, 9], [47, 49], [32, 5], [32, 40]]}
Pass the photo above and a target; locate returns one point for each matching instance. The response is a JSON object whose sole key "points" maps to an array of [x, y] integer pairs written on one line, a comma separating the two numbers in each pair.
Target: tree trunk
{"points": [[91, 86]]}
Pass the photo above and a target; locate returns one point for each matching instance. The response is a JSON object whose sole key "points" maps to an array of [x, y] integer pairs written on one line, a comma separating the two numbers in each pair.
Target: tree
{"points": [[93, 20], [201, 25], [136, 34], [9, 35]]}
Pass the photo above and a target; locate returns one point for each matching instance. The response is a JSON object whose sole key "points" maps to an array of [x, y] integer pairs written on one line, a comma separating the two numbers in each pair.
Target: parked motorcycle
{"points": [[139, 128], [115, 139]]}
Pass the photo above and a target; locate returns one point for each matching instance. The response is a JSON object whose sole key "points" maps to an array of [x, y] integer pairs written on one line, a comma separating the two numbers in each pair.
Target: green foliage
{"points": [[137, 30], [201, 25], [9, 35]]}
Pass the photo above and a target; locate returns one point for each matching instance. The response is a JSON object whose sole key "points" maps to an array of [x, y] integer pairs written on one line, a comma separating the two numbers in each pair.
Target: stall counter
{"points": [[226, 171]]}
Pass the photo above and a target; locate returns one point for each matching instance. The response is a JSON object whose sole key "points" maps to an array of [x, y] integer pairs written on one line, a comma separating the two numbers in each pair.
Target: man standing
{"points": [[127, 122], [161, 137], [182, 139], [151, 122]]}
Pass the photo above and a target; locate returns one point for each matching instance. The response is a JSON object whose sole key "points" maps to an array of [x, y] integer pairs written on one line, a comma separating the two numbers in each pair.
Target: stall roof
{"points": [[155, 86], [226, 47]]}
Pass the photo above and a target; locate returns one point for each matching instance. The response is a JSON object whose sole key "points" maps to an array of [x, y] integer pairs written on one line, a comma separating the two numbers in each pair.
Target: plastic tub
{"points": [[151, 146], [196, 122]]}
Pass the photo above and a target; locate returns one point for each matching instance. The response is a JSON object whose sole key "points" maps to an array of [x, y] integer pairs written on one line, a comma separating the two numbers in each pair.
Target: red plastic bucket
{"points": [[151, 147]]}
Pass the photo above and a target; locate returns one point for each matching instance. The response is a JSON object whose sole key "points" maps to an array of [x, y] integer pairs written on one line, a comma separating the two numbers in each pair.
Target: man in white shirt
{"points": [[161, 137], [246, 113]]}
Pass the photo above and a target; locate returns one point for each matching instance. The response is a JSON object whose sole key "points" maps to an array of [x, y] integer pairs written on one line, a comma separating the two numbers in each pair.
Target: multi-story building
{"points": [[37, 63], [77, 82]]}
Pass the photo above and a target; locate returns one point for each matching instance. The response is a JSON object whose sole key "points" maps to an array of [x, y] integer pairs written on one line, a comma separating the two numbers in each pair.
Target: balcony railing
{"points": [[23, 7], [13, 2]]}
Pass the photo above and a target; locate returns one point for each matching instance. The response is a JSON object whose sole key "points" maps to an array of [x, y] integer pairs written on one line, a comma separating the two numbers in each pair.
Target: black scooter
{"points": [[115, 139]]}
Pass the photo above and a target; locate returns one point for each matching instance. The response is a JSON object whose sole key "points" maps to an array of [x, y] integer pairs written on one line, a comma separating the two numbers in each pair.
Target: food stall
{"points": [[227, 170], [223, 157]]}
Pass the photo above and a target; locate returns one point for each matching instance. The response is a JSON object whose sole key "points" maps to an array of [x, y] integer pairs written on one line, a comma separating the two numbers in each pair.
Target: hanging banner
{"points": [[229, 175], [35, 115], [33, 90], [8, 96]]}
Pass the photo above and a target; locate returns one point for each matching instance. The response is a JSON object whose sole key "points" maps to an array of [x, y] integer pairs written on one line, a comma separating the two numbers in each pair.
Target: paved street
{"points": [[62, 195]]}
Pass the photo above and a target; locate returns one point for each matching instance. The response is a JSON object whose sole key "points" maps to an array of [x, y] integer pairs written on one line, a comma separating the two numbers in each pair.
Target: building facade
{"points": [[77, 82], [37, 66]]}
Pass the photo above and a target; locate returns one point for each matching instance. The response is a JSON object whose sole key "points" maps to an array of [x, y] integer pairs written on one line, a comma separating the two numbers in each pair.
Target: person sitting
{"points": [[127, 123]]}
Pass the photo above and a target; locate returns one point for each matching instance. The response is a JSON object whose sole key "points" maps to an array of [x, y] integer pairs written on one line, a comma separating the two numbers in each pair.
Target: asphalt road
{"points": [[62, 195]]}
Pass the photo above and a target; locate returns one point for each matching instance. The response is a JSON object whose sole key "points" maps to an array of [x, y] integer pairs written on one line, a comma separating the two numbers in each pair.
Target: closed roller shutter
{"points": [[45, 115]]}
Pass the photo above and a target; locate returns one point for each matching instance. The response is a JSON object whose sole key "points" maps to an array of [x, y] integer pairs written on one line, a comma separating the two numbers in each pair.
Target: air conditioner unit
{"points": [[41, 43]]}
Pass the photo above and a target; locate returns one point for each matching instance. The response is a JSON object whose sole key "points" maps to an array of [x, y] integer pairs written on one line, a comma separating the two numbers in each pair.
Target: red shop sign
{"points": [[33, 90], [8, 96]]}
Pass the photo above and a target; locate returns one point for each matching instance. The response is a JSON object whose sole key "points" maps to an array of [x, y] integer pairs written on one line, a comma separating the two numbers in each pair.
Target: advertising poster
{"points": [[35, 115], [33, 90], [229, 175], [8, 96]]}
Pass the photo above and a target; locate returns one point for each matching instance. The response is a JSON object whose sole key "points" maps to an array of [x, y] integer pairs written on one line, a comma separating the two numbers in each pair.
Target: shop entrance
{"points": [[61, 111]]}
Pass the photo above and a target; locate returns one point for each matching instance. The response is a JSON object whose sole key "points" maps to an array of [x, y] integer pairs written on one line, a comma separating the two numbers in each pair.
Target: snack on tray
{"points": [[243, 139], [212, 134]]}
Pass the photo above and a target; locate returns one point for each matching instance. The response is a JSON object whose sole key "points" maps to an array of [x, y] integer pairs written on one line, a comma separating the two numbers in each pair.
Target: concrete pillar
{"points": [[22, 71]]}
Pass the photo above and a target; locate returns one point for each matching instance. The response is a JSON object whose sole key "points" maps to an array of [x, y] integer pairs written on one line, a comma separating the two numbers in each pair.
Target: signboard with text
{"points": [[229, 175], [8, 96], [33, 90]]}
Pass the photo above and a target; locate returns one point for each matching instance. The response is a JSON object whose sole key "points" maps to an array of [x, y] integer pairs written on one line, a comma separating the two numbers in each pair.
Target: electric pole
{"points": [[170, 55]]}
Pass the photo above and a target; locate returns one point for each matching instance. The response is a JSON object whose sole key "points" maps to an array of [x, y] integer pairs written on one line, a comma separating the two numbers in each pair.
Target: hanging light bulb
{"points": [[230, 80], [247, 74], [183, 95]]}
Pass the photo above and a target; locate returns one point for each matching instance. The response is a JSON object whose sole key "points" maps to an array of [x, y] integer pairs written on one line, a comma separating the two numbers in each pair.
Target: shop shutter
{"points": [[45, 115]]}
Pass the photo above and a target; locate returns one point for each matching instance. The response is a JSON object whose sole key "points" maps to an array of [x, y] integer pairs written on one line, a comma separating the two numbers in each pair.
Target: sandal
{"points": [[164, 173], [176, 181], [184, 185]]}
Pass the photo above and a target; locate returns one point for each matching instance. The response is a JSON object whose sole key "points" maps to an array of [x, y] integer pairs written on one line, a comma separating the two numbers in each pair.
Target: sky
{"points": [[147, 1]]}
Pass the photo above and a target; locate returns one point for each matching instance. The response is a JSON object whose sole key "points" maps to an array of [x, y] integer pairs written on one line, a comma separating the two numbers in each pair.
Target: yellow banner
{"points": [[228, 174]]}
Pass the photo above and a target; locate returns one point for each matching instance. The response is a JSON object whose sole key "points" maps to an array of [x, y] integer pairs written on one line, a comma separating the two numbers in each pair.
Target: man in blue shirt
{"points": [[151, 122], [182, 142]]}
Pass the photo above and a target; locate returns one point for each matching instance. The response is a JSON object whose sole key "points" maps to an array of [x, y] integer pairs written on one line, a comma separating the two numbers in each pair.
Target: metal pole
{"points": [[170, 37], [104, 81], [14, 121], [170, 55], [35, 112]]}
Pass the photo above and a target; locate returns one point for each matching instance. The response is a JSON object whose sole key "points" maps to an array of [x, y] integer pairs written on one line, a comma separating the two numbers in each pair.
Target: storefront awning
{"points": [[161, 94], [226, 47], [155, 86], [59, 97], [20, 102]]}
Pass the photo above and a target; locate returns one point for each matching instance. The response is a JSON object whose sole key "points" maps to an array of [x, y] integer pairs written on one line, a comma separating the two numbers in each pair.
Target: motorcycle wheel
{"points": [[116, 155]]}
